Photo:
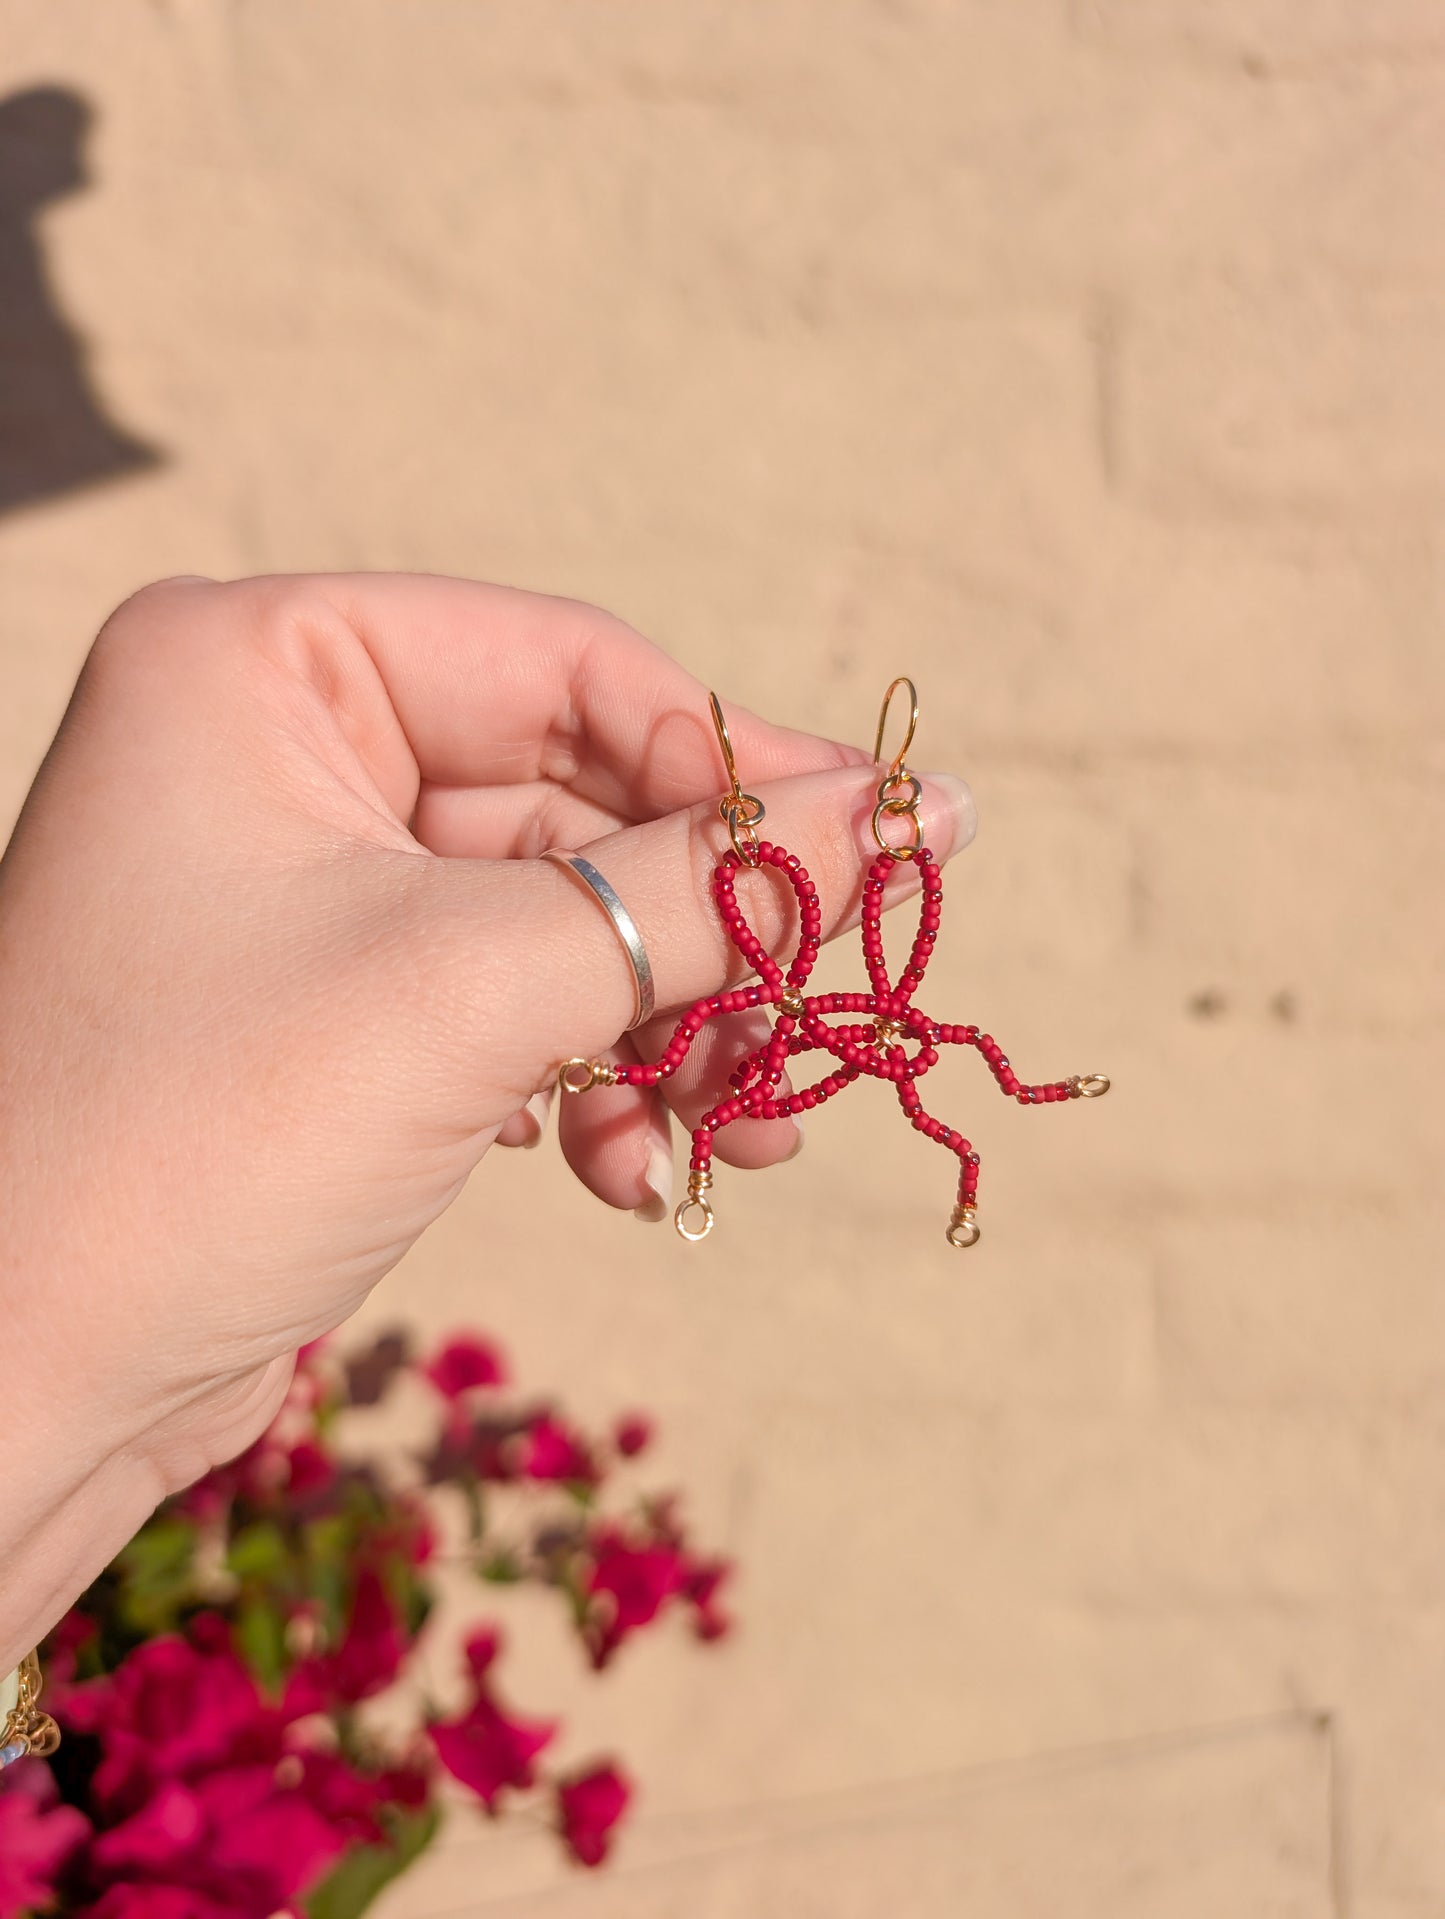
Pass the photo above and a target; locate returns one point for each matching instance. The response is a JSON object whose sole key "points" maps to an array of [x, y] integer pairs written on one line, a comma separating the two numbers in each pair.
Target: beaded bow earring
{"points": [[874, 1047]]}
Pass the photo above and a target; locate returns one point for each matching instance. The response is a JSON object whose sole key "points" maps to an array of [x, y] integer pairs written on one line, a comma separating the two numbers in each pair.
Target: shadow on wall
{"points": [[54, 433]]}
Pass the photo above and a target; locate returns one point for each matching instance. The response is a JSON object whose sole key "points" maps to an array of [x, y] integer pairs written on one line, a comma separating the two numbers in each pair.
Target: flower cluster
{"points": [[220, 1758]]}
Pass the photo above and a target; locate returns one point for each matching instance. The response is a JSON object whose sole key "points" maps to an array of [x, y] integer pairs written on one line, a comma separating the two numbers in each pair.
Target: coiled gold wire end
{"points": [[963, 1228], [581, 1075]]}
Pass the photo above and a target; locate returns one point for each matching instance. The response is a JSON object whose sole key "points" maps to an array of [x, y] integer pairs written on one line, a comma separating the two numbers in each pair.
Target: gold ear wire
{"points": [[895, 771], [739, 811], [898, 791]]}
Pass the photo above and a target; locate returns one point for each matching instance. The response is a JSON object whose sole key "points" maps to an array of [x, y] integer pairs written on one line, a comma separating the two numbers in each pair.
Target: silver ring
{"points": [[624, 924]]}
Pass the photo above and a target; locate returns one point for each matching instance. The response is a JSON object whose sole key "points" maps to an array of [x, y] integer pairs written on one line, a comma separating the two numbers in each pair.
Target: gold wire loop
{"points": [[695, 1203], [964, 1229], [897, 809], [741, 825], [891, 793], [697, 1200], [1091, 1085], [897, 767], [741, 812]]}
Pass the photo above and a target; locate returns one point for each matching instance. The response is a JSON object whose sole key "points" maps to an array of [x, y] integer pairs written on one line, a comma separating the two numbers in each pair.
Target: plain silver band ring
{"points": [[623, 922]]}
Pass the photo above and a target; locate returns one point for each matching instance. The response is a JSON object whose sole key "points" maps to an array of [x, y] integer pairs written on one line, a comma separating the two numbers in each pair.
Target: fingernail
{"points": [[797, 1145], [950, 817], [658, 1181], [536, 1110]]}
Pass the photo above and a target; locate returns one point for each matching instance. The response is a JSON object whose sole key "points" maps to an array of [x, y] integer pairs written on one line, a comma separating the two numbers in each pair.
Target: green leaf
{"points": [[156, 1574], [476, 1510], [328, 1545], [257, 1552], [351, 1885], [261, 1637], [503, 1568]]}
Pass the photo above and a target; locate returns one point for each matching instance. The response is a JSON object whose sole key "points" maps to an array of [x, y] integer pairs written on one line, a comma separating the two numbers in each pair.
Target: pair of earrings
{"points": [[875, 1042]]}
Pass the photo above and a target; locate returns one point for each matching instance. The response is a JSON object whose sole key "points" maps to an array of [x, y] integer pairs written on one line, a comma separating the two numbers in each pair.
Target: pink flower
{"points": [[129, 1900], [632, 1433], [488, 1751], [483, 1747], [73, 1635], [365, 1661], [589, 1807], [37, 1838], [404, 1785], [312, 1469], [481, 1650], [171, 1710], [236, 1839], [493, 1450], [370, 1654], [347, 1800], [701, 1583], [555, 1451], [638, 1581], [464, 1362]]}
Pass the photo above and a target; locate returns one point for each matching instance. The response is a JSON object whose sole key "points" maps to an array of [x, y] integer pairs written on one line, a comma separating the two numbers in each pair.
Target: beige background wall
{"points": [[1083, 358]]}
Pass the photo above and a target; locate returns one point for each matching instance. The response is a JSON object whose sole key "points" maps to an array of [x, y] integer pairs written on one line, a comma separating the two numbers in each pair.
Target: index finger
{"points": [[492, 685]]}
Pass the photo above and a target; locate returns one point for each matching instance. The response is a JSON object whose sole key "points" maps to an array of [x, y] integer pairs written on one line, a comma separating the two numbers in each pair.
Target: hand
{"points": [[279, 963]]}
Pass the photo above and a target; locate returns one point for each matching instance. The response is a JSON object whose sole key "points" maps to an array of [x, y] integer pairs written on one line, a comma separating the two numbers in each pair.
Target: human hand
{"points": [[279, 962]]}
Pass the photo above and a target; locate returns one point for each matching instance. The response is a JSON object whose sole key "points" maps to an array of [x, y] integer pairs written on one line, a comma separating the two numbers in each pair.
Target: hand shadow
{"points": [[55, 434]]}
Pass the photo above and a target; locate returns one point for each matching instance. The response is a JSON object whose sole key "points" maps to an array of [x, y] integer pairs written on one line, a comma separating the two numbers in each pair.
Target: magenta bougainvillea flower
{"points": [[37, 1838], [174, 1708], [487, 1751], [223, 1758], [310, 1469], [701, 1585], [632, 1434], [235, 1836], [372, 1647], [588, 1808], [132, 1899], [465, 1362], [556, 1451]]}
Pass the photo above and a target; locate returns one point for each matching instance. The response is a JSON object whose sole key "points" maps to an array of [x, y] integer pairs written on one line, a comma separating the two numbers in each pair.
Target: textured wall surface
{"points": [[1083, 358]]}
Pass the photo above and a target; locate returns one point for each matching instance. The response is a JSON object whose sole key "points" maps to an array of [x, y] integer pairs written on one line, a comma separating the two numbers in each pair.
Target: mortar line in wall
{"points": [[981, 1777]]}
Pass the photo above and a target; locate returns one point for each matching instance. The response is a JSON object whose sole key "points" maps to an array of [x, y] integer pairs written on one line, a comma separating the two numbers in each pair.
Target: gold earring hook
{"points": [[897, 767], [898, 791], [740, 811]]}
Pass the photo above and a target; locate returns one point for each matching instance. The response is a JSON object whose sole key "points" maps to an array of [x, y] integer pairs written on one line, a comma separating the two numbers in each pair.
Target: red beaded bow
{"points": [[876, 1049]]}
